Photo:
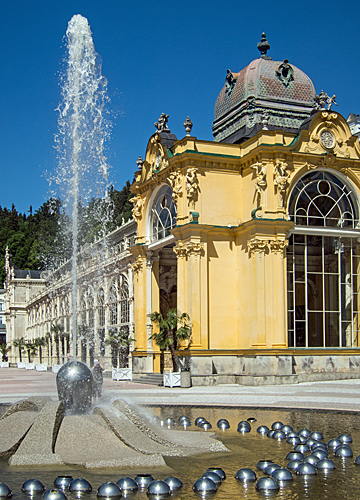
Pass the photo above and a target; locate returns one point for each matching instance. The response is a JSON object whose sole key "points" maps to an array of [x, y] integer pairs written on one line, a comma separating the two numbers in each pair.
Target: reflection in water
{"points": [[246, 451]]}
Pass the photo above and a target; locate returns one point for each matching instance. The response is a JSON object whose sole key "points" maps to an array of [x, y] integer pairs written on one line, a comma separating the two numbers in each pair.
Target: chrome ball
{"points": [[282, 475], [5, 491], [185, 424], [325, 463], [306, 469], [33, 486], [279, 435], [302, 448], [213, 476], [223, 424], [80, 485], [270, 433], [220, 472], [206, 426], [293, 434], [345, 438], [170, 421], [143, 480], [267, 484], [295, 455], [294, 464], [174, 483], [262, 429], [317, 436], [304, 432], [63, 482], [183, 417], [334, 443], [200, 419], [262, 464], [357, 460], [246, 475], [204, 484], [294, 440], [270, 469], [158, 488], [127, 484], [318, 445], [287, 429], [343, 451], [276, 426], [74, 383], [54, 495], [310, 442], [319, 453], [311, 459], [109, 490]]}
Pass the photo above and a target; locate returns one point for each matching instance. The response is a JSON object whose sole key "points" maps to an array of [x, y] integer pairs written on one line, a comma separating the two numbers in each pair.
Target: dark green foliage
{"points": [[40, 240]]}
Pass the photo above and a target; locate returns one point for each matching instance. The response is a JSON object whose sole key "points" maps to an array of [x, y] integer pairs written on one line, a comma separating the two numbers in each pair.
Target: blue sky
{"points": [[158, 57]]}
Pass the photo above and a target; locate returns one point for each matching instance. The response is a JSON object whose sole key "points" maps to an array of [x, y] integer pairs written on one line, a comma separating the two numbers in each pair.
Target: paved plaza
{"points": [[16, 384]]}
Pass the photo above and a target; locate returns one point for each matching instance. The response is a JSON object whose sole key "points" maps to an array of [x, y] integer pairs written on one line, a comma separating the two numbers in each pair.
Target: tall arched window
{"points": [[113, 305], [163, 214], [101, 307], [323, 262], [123, 290]]}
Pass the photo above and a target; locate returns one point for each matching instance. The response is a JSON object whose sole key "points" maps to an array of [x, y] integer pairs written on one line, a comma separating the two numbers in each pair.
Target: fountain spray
{"points": [[82, 131]]}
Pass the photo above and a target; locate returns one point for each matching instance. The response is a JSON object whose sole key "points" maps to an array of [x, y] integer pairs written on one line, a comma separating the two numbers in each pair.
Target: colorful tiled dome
{"points": [[274, 91]]}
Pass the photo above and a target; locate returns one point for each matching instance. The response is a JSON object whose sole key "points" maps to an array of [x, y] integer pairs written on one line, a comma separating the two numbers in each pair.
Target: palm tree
{"points": [[19, 344], [4, 349], [57, 330], [40, 342], [120, 343], [31, 349], [172, 329]]}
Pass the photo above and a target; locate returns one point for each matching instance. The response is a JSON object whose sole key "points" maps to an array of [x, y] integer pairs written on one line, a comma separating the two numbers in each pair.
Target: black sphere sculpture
{"points": [[75, 386]]}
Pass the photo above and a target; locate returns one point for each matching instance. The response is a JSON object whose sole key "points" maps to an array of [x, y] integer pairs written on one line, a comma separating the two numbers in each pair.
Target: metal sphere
{"points": [[143, 480], [74, 383], [294, 455], [345, 438], [311, 459], [262, 464], [246, 475], [54, 495], [200, 419], [202, 423], [306, 469], [5, 491], [279, 435], [218, 471], [262, 429], [302, 448], [127, 484], [109, 490], [302, 439], [174, 483], [292, 434], [80, 485], [267, 484], [206, 426], [304, 432], [63, 482], [158, 488], [317, 436], [270, 433], [276, 426], [223, 424], [185, 424], [334, 443], [294, 464], [343, 451], [204, 484], [319, 445], [183, 417], [282, 475], [293, 440], [270, 469], [325, 463], [213, 476], [310, 442], [357, 460], [319, 453], [170, 421], [33, 486], [286, 429], [244, 428]]}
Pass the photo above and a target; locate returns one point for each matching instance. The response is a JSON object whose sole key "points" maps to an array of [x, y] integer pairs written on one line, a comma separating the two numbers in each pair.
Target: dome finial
{"points": [[264, 46]]}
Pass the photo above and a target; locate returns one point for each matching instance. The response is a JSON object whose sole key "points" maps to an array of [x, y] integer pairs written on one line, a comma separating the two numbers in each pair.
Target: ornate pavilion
{"points": [[255, 235]]}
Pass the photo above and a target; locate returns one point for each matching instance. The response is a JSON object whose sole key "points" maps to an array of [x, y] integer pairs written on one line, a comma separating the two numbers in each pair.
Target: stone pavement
{"points": [[16, 384]]}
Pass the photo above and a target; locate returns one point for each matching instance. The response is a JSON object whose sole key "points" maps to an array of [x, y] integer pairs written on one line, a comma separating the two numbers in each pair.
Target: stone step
{"points": [[148, 378]]}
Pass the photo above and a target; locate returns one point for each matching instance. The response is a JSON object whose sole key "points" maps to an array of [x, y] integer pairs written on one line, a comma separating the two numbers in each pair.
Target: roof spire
{"points": [[264, 46]]}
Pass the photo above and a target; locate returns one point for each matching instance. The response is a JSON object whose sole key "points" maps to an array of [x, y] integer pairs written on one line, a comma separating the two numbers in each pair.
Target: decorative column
{"points": [[278, 296], [149, 344], [140, 304], [130, 275]]}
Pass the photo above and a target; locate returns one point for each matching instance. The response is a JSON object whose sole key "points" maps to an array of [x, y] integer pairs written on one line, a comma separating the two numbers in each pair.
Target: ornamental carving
{"points": [[323, 101], [257, 245], [138, 203], [229, 82], [278, 245], [260, 172], [175, 181], [285, 73], [185, 250], [192, 186], [281, 180], [162, 123], [137, 265]]}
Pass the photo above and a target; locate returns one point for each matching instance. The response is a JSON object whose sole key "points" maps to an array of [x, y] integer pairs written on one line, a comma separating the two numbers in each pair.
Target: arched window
{"points": [[123, 290], [323, 262], [113, 305], [163, 214], [101, 307]]}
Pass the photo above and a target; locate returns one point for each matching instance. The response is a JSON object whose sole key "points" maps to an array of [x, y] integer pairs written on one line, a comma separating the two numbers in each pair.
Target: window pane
{"points": [[300, 333], [315, 329], [346, 334], [315, 292], [331, 292], [332, 330]]}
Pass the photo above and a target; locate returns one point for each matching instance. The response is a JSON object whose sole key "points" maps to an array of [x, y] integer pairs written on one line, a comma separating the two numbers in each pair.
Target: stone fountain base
{"points": [[37, 432]]}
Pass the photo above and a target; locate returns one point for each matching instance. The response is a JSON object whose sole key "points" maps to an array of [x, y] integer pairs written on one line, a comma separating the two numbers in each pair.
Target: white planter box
{"points": [[55, 368], [4, 364], [41, 367], [122, 374], [171, 379], [29, 366], [20, 364]]}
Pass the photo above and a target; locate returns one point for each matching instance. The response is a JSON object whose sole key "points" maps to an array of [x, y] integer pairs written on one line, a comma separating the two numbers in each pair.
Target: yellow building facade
{"points": [[255, 234]]}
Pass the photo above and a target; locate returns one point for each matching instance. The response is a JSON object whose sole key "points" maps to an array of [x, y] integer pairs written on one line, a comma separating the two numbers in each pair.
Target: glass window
{"points": [[163, 214]]}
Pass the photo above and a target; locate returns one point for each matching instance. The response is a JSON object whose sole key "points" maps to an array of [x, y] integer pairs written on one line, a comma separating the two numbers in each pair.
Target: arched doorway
{"points": [[323, 262]]}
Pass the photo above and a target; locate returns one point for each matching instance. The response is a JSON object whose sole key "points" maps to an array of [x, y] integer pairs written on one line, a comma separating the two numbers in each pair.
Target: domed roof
{"points": [[274, 91]]}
